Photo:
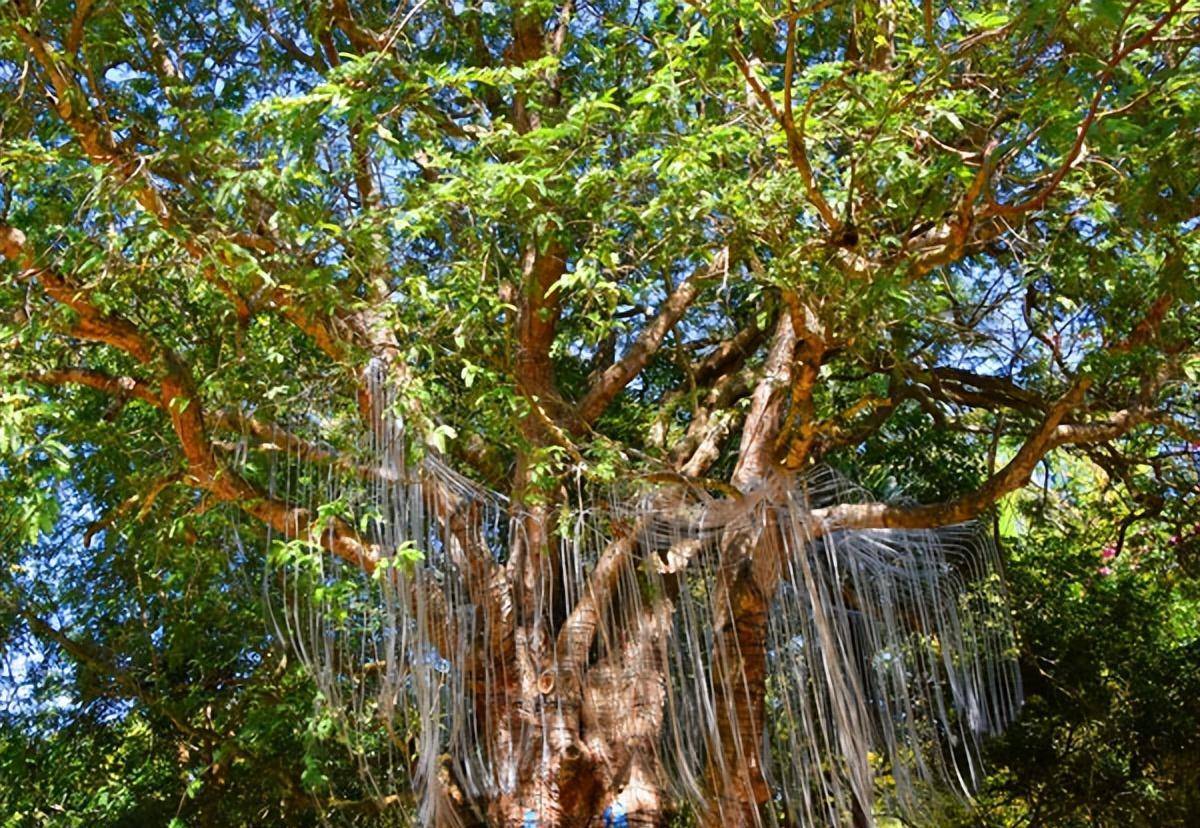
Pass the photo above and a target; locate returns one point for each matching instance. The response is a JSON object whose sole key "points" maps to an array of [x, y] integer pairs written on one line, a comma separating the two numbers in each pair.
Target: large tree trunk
{"points": [[580, 730], [594, 745], [581, 727]]}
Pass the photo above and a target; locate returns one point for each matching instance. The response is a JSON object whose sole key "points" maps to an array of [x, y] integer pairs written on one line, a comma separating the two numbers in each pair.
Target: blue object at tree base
{"points": [[614, 816]]}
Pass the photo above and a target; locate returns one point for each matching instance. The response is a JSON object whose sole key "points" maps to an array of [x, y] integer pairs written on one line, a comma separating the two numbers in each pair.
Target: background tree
{"points": [[934, 246]]}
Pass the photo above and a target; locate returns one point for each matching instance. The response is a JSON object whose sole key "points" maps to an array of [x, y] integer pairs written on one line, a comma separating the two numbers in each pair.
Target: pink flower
{"points": [[1109, 552], [1105, 571]]}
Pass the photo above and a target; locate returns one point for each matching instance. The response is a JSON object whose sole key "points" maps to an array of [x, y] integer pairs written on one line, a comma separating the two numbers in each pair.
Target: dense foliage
{"points": [[582, 234]]}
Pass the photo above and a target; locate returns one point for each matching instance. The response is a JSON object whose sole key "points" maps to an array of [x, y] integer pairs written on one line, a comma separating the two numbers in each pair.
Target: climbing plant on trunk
{"points": [[535, 342]]}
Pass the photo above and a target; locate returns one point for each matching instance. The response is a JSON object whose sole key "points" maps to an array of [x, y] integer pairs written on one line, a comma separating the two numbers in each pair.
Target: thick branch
{"points": [[801, 426], [1051, 434], [729, 355], [575, 636], [121, 387], [1056, 430], [70, 102], [360, 37], [711, 424], [756, 454], [179, 397], [537, 322], [614, 378]]}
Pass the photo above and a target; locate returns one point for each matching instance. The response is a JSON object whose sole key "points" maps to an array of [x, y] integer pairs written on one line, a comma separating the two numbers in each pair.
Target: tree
{"points": [[718, 245]]}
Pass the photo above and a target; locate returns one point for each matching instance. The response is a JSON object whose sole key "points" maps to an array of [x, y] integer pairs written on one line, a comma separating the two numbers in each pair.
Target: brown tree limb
{"points": [[179, 397], [618, 375], [83, 8], [800, 427], [834, 435], [268, 434], [120, 387], [68, 101], [1051, 434], [360, 37], [756, 454], [711, 424], [1056, 429], [968, 388], [576, 634], [729, 355], [716, 371]]}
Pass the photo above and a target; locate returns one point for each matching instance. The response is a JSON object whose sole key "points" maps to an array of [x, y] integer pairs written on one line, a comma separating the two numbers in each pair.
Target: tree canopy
{"points": [[947, 249]]}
